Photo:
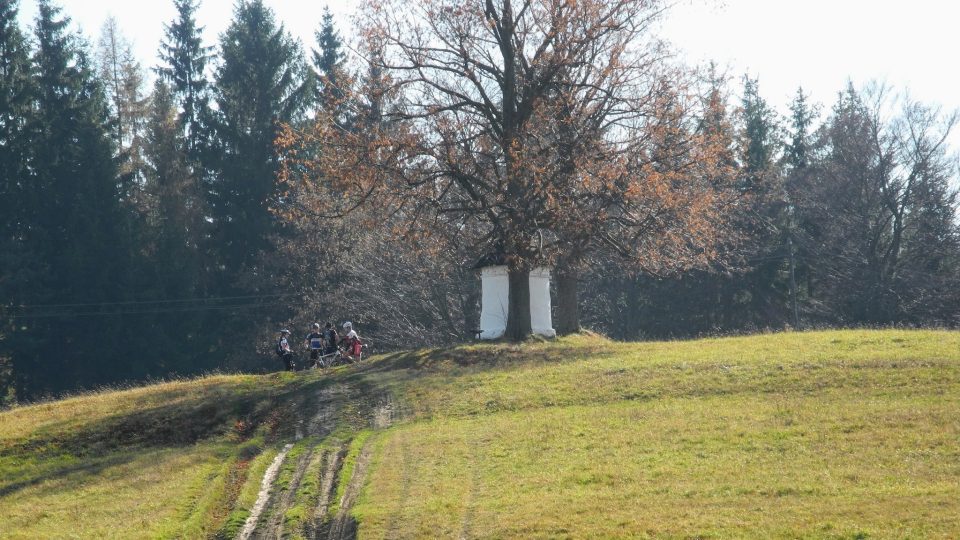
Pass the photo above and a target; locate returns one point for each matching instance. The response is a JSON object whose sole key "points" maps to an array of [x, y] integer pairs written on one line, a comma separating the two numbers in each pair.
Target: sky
{"points": [[819, 44]]}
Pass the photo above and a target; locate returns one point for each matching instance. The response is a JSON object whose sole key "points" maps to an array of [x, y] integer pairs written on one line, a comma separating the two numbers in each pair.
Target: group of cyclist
{"points": [[324, 346]]}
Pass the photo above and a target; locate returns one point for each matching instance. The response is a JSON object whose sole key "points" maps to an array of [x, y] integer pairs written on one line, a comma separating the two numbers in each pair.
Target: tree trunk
{"points": [[568, 302], [518, 312]]}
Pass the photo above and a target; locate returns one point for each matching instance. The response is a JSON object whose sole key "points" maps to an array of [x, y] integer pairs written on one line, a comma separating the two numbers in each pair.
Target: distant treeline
{"points": [[146, 232]]}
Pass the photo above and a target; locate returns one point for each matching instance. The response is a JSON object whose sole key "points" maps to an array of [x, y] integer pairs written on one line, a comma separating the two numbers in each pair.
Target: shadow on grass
{"points": [[491, 356], [216, 411], [88, 468]]}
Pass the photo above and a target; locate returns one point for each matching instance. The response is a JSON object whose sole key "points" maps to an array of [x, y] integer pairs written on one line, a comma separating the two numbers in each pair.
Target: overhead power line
{"points": [[149, 302], [68, 314]]}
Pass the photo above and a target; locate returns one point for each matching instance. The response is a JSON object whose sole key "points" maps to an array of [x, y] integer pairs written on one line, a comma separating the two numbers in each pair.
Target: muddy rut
{"points": [[267, 519]]}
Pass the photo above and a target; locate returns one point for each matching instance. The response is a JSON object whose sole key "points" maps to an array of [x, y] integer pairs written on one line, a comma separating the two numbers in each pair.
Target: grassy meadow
{"points": [[159, 461], [841, 435]]}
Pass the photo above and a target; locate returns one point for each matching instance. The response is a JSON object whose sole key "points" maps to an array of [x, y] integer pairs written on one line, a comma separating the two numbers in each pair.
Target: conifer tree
{"points": [[803, 231], [328, 63], [261, 83], [168, 171], [16, 93], [176, 233], [76, 227], [763, 290], [15, 97], [801, 123], [185, 62], [759, 141]]}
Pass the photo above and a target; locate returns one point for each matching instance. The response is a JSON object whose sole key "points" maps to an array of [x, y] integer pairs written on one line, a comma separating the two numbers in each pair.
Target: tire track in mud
{"points": [[268, 515], [275, 505], [284, 501], [343, 526], [266, 485], [320, 525]]}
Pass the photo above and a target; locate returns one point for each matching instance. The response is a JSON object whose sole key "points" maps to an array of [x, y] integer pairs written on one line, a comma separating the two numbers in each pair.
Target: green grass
{"points": [[840, 435], [346, 472], [822, 435], [307, 497], [158, 459]]}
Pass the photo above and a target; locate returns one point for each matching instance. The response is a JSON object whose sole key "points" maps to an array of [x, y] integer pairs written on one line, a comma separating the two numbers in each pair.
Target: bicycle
{"points": [[340, 358], [330, 359]]}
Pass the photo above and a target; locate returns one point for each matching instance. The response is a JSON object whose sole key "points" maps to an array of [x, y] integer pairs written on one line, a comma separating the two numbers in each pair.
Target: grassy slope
{"points": [[833, 434], [163, 461]]}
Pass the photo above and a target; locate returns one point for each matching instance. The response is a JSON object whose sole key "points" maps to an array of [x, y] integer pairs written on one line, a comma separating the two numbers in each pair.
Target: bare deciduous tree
{"points": [[527, 130]]}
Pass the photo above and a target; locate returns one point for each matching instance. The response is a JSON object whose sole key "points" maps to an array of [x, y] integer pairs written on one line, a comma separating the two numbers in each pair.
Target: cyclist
{"points": [[283, 350], [314, 341], [330, 339], [351, 341]]}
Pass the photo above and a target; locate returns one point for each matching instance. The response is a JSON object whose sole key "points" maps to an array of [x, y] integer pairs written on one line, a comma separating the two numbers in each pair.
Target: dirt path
{"points": [[268, 515], [264, 496], [274, 504], [273, 528], [333, 462], [328, 482], [343, 526]]}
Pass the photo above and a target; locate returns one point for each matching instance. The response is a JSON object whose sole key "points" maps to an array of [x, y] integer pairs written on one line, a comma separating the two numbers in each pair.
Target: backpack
{"points": [[280, 350], [331, 337]]}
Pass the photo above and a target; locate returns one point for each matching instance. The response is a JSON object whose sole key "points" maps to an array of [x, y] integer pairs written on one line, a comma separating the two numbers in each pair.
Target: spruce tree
{"points": [[759, 138], [185, 62], [801, 122], [261, 83], [765, 289], [804, 229], [16, 93], [176, 235], [328, 63], [375, 88], [15, 96], [76, 227]]}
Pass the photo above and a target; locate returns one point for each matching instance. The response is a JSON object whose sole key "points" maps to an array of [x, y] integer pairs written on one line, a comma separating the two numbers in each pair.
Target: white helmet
{"points": [[348, 325], [316, 325]]}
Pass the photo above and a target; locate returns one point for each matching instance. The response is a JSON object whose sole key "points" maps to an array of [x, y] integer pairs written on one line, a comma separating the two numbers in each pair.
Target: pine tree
{"points": [[16, 93], [801, 122], [75, 225], [765, 290], [15, 96], [328, 63], [261, 83], [759, 138], [186, 60]]}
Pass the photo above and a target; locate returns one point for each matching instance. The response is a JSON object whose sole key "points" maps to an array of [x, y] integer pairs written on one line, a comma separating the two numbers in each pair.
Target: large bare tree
{"points": [[525, 130]]}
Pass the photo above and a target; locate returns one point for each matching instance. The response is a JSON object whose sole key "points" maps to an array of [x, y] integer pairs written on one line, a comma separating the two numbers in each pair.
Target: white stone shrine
{"points": [[495, 297]]}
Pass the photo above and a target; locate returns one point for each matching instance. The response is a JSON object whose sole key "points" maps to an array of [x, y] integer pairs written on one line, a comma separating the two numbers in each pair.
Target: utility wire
{"points": [[187, 309], [148, 302]]}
